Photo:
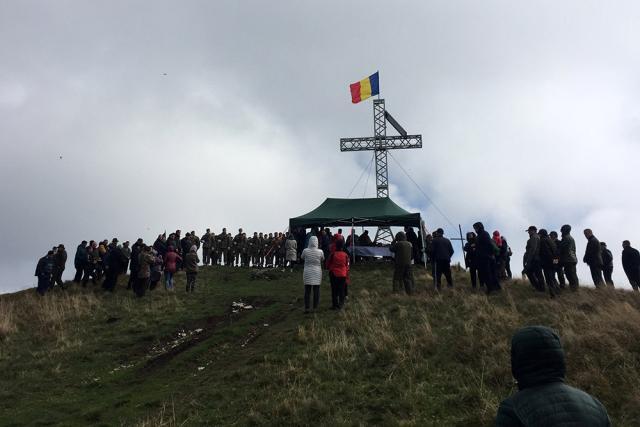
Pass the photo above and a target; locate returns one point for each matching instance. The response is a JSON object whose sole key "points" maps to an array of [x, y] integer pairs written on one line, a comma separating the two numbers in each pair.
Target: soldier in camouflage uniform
{"points": [[261, 239], [281, 251], [230, 251], [206, 247], [214, 254], [223, 246], [254, 245], [236, 248], [195, 239], [268, 251]]}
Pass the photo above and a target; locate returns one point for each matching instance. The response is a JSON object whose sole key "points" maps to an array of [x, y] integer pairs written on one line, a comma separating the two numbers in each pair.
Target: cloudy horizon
{"points": [[125, 119]]}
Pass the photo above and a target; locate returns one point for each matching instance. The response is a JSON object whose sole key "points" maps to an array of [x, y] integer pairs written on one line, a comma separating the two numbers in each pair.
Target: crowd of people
{"points": [[549, 261]]}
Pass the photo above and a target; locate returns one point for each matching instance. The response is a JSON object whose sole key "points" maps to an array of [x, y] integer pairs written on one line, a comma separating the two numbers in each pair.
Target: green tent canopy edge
{"points": [[363, 212]]}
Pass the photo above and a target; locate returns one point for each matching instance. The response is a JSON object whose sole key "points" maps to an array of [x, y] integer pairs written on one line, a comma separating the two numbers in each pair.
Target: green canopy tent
{"points": [[372, 212]]}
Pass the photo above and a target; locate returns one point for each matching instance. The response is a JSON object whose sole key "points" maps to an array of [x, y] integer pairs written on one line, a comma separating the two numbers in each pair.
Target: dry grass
{"points": [[7, 321], [457, 343], [166, 417]]}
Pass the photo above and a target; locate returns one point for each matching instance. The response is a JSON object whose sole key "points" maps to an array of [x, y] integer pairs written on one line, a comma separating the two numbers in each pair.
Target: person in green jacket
{"points": [[191, 261], [543, 399], [403, 273]]}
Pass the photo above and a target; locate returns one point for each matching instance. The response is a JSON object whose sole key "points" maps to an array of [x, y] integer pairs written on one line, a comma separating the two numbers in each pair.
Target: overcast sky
{"points": [[126, 118]]}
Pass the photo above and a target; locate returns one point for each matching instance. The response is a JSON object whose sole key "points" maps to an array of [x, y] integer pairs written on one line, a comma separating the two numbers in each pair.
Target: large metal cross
{"points": [[380, 143]]}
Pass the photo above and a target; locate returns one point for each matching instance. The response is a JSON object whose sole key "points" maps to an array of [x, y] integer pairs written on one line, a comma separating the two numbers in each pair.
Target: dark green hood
{"points": [[537, 357]]}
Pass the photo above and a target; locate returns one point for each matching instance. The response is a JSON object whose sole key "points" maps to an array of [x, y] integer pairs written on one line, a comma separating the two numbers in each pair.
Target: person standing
{"points": [[412, 238], [135, 257], [59, 262], [442, 253], [470, 259], [156, 269], [501, 256], [543, 398], [291, 248], [568, 257], [338, 266], [191, 261], [80, 260], [171, 261], [531, 260], [206, 247], [631, 264], [548, 261], [593, 257], [507, 257], [145, 261], [126, 256], [312, 274], [485, 256], [44, 269], [402, 273], [93, 257], [557, 268], [607, 264], [114, 260]]}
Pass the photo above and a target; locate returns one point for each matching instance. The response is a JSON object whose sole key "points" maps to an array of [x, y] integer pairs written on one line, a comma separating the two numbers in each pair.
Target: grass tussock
{"points": [[7, 321]]}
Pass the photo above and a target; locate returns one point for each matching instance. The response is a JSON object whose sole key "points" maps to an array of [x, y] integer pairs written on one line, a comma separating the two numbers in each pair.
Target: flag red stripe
{"points": [[355, 92]]}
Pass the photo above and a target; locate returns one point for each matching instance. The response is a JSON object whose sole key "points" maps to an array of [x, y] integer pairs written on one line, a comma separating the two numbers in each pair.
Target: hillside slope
{"points": [[84, 357]]}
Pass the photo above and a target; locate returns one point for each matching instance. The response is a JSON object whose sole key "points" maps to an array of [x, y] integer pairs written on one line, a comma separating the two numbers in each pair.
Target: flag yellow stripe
{"points": [[365, 89]]}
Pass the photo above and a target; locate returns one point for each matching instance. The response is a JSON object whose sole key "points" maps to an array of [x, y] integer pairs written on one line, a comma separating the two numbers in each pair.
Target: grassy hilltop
{"points": [[82, 357]]}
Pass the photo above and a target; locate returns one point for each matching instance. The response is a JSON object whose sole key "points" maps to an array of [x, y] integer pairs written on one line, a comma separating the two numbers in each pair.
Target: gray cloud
{"points": [[229, 114]]}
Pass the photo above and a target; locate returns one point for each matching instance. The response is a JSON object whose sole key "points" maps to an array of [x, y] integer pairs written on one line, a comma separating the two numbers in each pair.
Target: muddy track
{"points": [[197, 331]]}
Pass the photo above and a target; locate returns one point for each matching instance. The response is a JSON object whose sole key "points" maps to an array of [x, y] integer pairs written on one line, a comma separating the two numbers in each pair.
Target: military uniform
{"points": [[236, 248], [206, 248]]}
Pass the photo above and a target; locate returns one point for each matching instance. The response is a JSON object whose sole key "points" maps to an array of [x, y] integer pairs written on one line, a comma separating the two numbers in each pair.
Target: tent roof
{"points": [[364, 212]]}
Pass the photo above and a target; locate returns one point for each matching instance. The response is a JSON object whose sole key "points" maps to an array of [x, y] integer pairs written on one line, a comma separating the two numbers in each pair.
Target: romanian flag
{"points": [[365, 88]]}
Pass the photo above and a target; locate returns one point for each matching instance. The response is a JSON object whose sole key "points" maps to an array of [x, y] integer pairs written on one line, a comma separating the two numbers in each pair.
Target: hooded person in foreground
{"points": [[543, 399]]}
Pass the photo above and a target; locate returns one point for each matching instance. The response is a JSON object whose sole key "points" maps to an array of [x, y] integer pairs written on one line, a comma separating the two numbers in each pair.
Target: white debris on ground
{"points": [[181, 336], [265, 325], [237, 306], [121, 367], [200, 368]]}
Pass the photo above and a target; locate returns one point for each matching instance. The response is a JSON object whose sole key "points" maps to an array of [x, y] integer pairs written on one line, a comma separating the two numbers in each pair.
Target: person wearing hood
{"points": [[631, 264], [543, 397], [485, 258], [191, 261], [44, 270], [291, 251], [402, 273], [312, 273]]}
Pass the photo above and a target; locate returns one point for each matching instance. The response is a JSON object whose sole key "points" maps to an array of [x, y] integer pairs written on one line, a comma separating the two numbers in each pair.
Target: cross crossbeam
{"points": [[369, 143]]}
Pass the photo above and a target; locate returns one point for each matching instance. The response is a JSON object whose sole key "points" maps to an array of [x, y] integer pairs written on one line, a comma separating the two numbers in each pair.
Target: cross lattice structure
{"points": [[380, 143]]}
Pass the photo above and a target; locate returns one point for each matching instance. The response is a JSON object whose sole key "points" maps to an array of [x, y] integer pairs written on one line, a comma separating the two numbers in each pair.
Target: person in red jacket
{"points": [[338, 266], [170, 267]]}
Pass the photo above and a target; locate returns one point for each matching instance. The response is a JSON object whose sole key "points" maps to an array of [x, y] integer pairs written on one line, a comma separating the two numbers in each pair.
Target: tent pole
{"points": [[353, 246]]}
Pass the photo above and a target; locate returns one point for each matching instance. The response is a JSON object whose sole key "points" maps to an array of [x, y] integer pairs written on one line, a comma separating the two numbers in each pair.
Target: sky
{"points": [[127, 118]]}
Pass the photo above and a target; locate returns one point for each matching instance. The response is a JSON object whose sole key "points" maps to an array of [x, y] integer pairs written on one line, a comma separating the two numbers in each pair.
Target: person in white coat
{"points": [[312, 274], [291, 251]]}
